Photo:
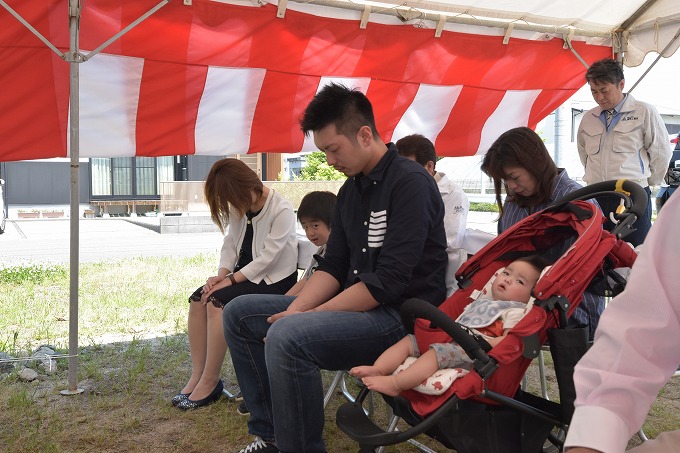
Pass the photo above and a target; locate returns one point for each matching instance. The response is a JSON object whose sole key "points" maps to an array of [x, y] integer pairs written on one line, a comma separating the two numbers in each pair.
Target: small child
{"points": [[315, 214], [510, 292]]}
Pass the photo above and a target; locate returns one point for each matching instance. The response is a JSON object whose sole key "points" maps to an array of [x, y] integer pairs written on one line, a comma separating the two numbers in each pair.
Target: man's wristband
{"points": [[231, 277]]}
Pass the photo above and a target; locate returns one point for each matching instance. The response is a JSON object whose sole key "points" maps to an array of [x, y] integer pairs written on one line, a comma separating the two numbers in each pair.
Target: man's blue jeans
{"points": [[281, 379]]}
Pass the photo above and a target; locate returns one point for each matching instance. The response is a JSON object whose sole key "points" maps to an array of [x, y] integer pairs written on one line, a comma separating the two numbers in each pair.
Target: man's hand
{"points": [[273, 318]]}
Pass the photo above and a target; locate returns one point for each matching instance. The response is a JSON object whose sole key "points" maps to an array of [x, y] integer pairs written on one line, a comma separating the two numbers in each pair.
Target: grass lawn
{"points": [[133, 358]]}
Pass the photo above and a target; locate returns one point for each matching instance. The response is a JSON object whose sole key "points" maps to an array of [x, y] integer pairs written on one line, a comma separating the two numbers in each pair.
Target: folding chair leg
{"points": [[339, 376], [541, 373], [391, 426], [420, 446], [339, 381], [228, 394]]}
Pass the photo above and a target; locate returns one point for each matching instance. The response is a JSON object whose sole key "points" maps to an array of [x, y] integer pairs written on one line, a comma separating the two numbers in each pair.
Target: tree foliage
{"points": [[317, 169]]}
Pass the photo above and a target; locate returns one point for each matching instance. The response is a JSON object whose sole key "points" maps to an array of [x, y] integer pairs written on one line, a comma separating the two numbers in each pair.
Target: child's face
{"points": [[316, 230], [515, 282]]}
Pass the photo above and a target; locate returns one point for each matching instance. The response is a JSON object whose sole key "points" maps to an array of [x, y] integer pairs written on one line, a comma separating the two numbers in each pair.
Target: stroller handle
{"points": [[633, 194], [412, 309]]}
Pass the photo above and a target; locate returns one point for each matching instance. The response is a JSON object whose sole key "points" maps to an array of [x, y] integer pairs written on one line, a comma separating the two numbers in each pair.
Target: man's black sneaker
{"points": [[242, 408], [260, 445]]}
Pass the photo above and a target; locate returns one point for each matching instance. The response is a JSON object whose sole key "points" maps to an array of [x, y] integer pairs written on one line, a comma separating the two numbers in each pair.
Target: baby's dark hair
{"points": [[318, 205], [538, 262]]}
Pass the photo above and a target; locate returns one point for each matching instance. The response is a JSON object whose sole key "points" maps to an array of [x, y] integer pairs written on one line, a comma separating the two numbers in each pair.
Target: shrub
{"points": [[483, 206]]}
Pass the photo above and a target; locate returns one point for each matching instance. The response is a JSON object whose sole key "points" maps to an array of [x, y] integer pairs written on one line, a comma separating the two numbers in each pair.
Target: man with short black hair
{"points": [[387, 244], [622, 138]]}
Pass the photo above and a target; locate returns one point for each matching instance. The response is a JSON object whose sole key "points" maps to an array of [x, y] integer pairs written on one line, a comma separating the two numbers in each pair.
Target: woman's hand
{"points": [[213, 284], [212, 281]]}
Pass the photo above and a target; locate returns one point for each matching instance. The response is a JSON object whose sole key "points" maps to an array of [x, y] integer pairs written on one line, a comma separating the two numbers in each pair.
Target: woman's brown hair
{"points": [[520, 147], [230, 182]]}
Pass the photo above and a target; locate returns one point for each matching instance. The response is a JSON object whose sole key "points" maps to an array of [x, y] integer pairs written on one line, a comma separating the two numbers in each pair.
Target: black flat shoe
{"points": [[214, 396], [179, 398]]}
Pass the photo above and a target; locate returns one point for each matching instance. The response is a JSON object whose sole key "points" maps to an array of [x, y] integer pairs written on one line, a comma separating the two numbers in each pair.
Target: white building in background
{"points": [[293, 165]]}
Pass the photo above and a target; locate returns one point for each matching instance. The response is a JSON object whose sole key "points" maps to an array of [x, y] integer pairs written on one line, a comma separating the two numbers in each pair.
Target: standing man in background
{"points": [[456, 204], [621, 138]]}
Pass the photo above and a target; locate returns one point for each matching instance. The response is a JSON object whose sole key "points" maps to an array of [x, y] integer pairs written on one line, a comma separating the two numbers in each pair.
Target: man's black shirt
{"points": [[388, 232]]}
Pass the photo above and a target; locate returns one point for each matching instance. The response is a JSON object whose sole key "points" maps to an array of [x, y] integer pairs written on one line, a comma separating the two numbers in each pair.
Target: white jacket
{"points": [[636, 148], [274, 242], [456, 208]]}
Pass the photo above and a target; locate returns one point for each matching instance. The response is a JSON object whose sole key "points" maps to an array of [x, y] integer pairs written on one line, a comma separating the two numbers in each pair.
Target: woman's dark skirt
{"points": [[223, 296]]}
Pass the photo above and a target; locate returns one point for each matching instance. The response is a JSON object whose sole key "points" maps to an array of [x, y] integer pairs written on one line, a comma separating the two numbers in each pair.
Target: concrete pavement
{"points": [[48, 240]]}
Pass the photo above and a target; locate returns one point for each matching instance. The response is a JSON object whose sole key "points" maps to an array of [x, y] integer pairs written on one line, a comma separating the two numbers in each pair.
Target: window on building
{"points": [[130, 177]]}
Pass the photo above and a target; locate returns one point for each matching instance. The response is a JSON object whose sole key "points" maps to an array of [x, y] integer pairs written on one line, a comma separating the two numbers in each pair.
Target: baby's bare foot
{"points": [[364, 371], [384, 384]]}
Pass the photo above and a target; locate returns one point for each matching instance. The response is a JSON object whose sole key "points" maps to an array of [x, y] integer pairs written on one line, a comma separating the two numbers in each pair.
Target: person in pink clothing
{"points": [[635, 351]]}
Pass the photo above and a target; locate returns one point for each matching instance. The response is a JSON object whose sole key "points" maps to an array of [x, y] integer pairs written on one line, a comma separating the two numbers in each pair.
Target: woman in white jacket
{"points": [[259, 256]]}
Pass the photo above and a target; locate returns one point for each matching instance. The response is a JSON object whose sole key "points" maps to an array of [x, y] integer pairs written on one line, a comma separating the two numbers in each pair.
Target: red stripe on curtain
{"points": [[463, 130], [168, 105], [33, 104], [282, 100]]}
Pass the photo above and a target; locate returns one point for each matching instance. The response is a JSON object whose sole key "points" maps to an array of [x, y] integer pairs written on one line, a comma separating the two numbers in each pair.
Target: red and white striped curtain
{"points": [[215, 79]]}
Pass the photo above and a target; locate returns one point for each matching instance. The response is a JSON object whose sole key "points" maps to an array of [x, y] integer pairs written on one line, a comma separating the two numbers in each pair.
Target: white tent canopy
{"points": [[635, 27]]}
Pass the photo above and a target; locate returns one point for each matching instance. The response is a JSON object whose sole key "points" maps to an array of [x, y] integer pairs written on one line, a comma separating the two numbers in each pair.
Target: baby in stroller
{"points": [[489, 318]]}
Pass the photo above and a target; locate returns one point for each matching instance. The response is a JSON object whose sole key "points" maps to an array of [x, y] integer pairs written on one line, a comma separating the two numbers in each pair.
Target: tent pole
{"points": [[75, 58], [74, 73]]}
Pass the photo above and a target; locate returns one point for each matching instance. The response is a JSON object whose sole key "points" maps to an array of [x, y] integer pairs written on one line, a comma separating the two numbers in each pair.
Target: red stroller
{"points": [[485, 411]]}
